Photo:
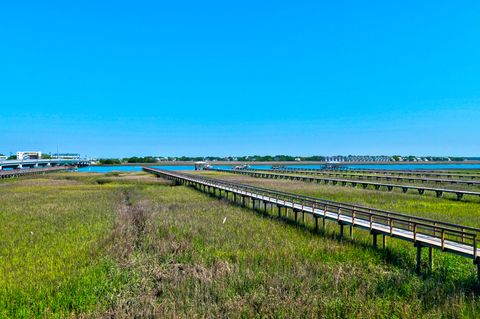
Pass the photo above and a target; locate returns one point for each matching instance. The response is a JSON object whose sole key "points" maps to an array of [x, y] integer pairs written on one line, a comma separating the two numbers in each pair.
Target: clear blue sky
{"points": [[119, 78]]}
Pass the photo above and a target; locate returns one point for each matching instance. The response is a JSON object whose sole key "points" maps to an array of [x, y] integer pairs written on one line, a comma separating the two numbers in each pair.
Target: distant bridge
{"points": [[38, 163]]}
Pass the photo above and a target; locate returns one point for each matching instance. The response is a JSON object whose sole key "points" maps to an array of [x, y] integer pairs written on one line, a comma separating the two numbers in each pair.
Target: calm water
{"points": [[126, 168], [398, 166]]}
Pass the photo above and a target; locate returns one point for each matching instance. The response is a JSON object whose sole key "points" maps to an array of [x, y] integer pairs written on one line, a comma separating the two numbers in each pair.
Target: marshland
{"points": [[131, 244]]}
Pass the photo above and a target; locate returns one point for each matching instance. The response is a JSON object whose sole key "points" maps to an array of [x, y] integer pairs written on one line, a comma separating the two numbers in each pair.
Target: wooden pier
{"points": [[422, 232], [361, 175], [354, 183], [33, 171], [425, 173]]}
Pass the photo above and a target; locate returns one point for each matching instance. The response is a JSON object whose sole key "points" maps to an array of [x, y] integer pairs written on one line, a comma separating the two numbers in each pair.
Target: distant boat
{"points": [[202, 165], [240, 167]]}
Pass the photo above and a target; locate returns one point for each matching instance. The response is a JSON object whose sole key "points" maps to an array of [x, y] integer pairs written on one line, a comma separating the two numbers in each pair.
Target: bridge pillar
{"points": [[418, 259], [296, 214], [316, 222], [384, 241], [341, 229], [279, 211], [374, 237], [478, 271], [351, 231], [430, 258], [243, 200], [303, 217]]}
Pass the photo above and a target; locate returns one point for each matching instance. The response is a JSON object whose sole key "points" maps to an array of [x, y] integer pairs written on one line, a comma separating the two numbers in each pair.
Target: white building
{"points": [[28, 155]]}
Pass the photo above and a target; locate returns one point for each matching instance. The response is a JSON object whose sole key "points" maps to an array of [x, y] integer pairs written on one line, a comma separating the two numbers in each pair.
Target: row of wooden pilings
{"points": [[30, 172], [256, 204]]}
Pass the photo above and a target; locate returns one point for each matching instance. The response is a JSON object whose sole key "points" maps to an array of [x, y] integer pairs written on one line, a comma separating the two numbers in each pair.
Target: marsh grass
{"points": [[138, 246], [50, 249], [209, 258]]}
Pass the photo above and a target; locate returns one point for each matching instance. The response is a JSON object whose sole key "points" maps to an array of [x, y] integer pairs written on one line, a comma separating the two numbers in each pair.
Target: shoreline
{"points": [[233, 163]]}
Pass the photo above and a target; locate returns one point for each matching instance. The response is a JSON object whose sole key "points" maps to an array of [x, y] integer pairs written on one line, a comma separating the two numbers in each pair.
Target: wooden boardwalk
{"points": [[425, 173], [422, 232], [31, 171], [366, 175], [344, 182]]}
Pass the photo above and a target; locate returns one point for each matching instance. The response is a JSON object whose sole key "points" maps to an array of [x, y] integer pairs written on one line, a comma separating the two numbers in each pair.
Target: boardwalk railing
{"points": [[336, 181], [31, 171], [423, 232]]}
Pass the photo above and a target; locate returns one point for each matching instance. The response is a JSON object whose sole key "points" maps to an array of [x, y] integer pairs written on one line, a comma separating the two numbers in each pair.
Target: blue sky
{"points": [[118, 78]]}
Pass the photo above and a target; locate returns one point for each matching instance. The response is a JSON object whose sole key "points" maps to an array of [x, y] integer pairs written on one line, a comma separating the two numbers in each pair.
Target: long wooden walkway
{"points": [[366, 175], [425, 173], [344, 182], [422, 232], [31, 171]]}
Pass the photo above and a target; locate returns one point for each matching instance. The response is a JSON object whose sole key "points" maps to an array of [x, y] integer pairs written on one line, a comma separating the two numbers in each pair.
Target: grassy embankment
{"points": [[101, 246]]}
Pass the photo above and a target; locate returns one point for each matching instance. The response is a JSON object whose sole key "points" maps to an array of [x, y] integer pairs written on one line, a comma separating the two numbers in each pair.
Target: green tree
{"points": [[109, 161]]}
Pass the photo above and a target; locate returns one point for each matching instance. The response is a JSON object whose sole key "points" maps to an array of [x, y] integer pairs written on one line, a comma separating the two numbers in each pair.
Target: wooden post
{"points": [[316, 222], [430, 258], [351, 231], [243, 200], [279, 211], [478, 272], [323, 223], [419, 259], [296, 214], [341, 230], [303, 217], [374, 239], [384, 241]]}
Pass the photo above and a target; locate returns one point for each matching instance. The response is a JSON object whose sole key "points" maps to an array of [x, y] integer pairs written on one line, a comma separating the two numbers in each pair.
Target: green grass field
{"points": [[124, 245]]}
